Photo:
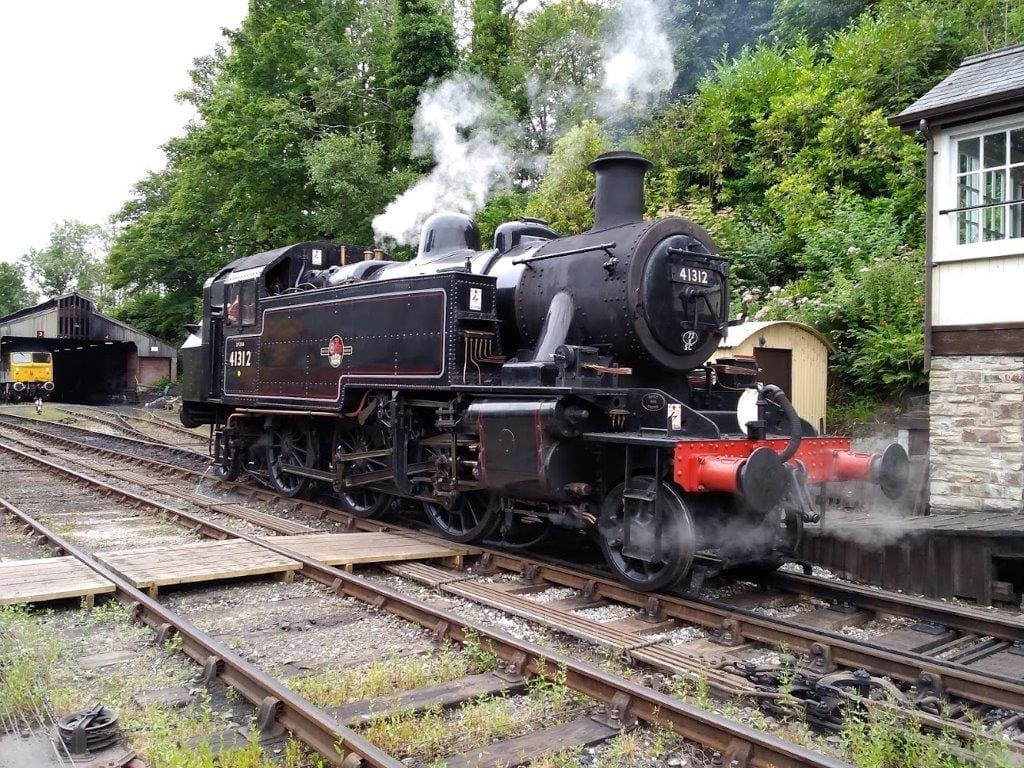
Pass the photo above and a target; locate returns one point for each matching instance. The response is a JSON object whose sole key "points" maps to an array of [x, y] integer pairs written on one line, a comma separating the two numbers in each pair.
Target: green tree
{"points": [[814, 20], [557, 57], [347, 173], [563, 198], [491, 45], [14, 294], [276, 116], [423, 50], [69, 262], [784, 152]]}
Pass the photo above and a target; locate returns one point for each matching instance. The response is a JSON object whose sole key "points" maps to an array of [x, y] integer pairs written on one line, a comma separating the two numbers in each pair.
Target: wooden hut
{"points": [[790, 355]]}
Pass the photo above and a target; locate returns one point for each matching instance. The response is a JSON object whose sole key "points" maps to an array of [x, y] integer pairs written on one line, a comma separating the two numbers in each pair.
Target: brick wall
{"points": [[977, 433]]}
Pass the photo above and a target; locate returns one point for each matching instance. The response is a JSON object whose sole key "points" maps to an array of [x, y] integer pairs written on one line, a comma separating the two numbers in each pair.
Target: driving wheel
{"points": [[467, 518], [363, 501], [289, 445]]}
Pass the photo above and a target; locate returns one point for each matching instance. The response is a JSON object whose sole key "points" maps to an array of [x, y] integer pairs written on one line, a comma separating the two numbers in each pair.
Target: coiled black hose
{"points": [[775, 395]]}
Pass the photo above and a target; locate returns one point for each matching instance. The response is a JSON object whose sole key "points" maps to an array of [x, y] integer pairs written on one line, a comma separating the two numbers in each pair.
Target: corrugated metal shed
{"points": [[74, 316], [986, 83], [791, 355], [95, 356]]}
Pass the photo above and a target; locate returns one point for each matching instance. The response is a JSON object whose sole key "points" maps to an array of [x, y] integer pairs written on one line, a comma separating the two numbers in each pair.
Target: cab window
{"points": [[248, 302], [40, 357], [20, 358], [231, 311]]}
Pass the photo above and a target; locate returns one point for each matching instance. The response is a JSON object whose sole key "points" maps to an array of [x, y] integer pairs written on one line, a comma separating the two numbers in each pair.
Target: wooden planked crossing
{"points": [[154, 567], [49, 578], [350, 549], [200, 561]]}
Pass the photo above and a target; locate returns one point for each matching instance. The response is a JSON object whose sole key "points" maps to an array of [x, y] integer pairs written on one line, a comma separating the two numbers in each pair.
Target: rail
{"points": [[626, 699]]}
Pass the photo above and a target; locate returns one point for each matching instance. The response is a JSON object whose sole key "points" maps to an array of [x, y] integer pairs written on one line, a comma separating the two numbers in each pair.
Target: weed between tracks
{"points": [[41, 654], [430, 735], [339, 685], [872, 738]]}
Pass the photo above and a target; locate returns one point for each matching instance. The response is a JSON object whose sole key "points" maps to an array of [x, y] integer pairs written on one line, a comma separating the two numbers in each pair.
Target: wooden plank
{"points": [[362, 548], [581, 732], [50, 578], [197, 562]]}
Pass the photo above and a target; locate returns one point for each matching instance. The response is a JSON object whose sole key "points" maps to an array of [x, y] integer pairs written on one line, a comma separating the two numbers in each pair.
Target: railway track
{"points": [[625, 699], [144, 444], [179, 435], [929, 674]]}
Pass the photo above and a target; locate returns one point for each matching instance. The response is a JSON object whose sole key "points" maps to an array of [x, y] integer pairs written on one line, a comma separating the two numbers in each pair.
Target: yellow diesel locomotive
{"points": [[25, 375]]}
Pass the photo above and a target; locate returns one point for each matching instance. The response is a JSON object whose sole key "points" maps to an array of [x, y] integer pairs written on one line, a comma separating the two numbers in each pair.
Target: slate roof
{"points": [[983, 84]]}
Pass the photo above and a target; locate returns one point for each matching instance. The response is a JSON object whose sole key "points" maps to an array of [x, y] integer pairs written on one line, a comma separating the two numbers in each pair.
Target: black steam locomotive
{"points": [[548, 381]]}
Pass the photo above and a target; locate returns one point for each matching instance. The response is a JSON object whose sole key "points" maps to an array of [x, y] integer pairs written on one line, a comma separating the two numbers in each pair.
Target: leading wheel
{"points": [[771, 544], [466, 519], [293, 446], [644, 554]]}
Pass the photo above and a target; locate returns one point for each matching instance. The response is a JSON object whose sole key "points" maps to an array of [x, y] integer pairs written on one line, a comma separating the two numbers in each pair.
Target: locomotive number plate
{"points": [[695, 275]]}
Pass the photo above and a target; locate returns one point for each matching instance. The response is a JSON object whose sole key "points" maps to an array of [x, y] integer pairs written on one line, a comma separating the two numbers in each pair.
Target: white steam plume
{"points": [[637, 60], [456, 127]]}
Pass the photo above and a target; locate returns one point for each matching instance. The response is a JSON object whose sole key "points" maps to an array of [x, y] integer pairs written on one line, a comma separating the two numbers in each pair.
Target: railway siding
{"points": [[635, 637]]}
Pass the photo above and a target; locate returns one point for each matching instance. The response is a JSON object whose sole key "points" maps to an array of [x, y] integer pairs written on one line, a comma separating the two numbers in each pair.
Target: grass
{"points": [[431, 734], [879, 738], [336, 686], [38, 650], [167, 738], [27, 655], [50, 412]]}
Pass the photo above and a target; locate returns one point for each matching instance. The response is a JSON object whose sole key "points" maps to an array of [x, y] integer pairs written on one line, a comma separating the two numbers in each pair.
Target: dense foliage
{"points": [[785, 154], [774, 137], [14, 294]]}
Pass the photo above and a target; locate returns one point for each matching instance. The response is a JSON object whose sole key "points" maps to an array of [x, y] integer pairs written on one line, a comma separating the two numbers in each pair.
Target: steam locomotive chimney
{"points": [[620, 188]]}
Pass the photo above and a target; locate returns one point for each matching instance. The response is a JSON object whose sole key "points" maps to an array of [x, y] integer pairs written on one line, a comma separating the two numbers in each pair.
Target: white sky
{"points": [[87, 97]]}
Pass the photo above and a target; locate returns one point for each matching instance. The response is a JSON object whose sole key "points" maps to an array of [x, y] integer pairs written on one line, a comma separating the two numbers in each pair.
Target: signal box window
{"points": [[990, 187]]}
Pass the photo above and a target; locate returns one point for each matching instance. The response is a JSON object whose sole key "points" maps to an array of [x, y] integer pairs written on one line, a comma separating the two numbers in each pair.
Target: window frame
{"points": [[945, 190], [247, 292], [232, 295]]}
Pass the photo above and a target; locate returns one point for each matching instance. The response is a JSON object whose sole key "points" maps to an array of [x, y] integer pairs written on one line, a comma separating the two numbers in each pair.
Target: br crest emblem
{"points": [[335, 350]]}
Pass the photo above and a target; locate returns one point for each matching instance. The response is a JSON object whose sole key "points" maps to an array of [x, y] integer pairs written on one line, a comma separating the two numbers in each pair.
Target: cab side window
{"points": [[231, 306], [248, 302]]}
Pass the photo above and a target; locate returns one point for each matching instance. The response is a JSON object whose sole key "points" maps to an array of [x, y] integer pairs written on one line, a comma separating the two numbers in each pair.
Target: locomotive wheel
{"points": [[522, 533], [230, 464], [468, 519], [677, 543], [782, 533], [294, 446], [363, 502]]}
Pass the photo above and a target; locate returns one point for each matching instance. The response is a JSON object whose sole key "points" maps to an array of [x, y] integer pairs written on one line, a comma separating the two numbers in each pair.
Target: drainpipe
{"points": [[929, 236]]}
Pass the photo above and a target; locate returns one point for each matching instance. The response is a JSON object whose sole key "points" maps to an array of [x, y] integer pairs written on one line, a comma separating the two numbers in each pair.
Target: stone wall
{"points": [[977, 433]]}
